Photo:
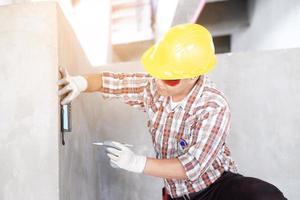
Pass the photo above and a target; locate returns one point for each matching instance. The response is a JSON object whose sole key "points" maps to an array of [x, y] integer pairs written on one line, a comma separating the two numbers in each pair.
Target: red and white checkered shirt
{"points": [[194, 131]]}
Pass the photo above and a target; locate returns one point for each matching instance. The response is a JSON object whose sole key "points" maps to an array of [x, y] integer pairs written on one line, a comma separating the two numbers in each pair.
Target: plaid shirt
{"points": [[194, 131]]}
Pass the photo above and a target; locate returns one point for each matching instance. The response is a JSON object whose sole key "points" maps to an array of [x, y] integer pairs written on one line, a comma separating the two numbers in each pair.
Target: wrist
{"points": [[139, 164], [81, 83]]}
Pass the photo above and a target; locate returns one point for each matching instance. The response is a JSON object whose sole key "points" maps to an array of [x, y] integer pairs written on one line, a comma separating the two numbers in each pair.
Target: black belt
{"points": [[188, 196], [184, 197]]}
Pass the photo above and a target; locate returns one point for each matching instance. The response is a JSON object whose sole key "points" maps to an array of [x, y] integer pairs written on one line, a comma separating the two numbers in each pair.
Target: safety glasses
{"points": [[172, 82]]}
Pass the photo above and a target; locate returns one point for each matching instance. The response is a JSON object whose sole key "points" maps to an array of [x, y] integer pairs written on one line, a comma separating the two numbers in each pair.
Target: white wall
{"points": [[5, 2], [274, 24], [91, 23], [164, 16]]}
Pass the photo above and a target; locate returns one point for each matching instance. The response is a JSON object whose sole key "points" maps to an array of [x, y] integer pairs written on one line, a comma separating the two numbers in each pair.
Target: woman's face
{"points": [[175, 88]]}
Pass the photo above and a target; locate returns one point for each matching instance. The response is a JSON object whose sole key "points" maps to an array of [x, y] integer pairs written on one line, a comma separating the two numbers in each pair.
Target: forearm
{"points": [[165, 168], [94, 82]]}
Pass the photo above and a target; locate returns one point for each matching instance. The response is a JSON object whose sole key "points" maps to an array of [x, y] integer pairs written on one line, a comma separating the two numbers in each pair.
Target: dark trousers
{"points": [[231, 186]]}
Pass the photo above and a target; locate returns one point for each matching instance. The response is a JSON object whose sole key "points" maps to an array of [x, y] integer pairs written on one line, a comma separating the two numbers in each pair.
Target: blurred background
{"points": [[112, 31]]}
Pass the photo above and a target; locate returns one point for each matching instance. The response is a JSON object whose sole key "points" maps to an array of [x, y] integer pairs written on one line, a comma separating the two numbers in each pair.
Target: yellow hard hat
{"points": [[185, 51]]}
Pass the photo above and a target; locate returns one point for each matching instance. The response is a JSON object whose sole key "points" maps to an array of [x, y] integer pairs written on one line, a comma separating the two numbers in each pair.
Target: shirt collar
{"points": [[194, 94], [188, 102]]}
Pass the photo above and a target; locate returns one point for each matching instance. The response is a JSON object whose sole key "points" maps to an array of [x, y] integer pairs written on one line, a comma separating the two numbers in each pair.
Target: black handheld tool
{"points": [[66, 123]]}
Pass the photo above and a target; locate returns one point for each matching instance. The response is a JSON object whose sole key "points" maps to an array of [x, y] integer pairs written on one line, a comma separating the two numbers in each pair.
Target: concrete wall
{"points": [[274, 24], [263, 91], [28, 102]]}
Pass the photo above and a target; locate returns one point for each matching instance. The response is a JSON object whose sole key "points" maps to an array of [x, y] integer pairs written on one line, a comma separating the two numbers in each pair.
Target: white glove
{"points": [[73, 85], [122, 157]]}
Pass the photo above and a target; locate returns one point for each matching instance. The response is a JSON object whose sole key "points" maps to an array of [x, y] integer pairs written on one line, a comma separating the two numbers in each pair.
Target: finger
{"points": [[67, 99], [112, 157], [113, 164], [119, 145], [114, 151], [63, 71], [109, 143], [63, 81], [64, 90]]}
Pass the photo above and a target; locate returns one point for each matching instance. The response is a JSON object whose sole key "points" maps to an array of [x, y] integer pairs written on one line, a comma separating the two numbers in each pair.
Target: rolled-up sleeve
{"points": [[211, 130], [130, 88]]}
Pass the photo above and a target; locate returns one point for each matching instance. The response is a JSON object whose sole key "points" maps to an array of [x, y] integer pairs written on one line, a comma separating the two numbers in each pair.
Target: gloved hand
{"points": [[122, 157], [73, 85]]}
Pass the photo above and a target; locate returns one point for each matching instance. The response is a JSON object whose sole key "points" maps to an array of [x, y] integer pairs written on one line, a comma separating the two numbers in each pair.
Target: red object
{"points": [[165, 195], [171, 82]]}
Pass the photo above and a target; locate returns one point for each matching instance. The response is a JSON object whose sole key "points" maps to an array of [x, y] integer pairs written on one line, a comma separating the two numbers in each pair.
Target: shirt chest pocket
{"points": [[186, 138]]}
